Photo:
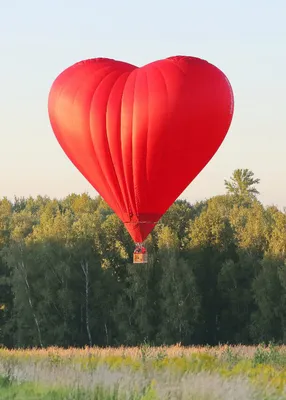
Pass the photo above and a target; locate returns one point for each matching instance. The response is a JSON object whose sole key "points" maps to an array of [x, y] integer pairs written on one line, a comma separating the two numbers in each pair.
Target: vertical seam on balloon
{"points": [[109, 151], [166, 91], [132, 150], [128, 205], [130, 187], [90, 137], [165, 85], [147, 132], [124, 188]]}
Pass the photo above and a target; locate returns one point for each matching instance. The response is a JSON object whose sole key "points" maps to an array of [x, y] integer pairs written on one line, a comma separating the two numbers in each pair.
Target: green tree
{"points": [[215, 272], [179, 301], [242, 183], [269, 288], [237, 304], [211, 243], [251, 226]]}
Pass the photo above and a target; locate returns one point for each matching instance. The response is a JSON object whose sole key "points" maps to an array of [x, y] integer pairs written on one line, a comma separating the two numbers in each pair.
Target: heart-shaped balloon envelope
{"points": [[141, 135]]}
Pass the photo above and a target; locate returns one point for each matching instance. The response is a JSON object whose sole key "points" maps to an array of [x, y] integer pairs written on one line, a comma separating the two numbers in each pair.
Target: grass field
{"points": [[149, 373]]}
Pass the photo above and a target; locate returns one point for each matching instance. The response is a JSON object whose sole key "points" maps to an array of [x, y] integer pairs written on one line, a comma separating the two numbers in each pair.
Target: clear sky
{"points": [[246, 39]]}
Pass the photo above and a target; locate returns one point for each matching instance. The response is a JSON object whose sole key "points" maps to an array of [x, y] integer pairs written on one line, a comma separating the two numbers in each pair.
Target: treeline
{"points": [[216, 273]]}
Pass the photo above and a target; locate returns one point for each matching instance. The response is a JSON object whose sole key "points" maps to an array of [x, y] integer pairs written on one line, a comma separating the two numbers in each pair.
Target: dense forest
{"points": [[216, 272]]}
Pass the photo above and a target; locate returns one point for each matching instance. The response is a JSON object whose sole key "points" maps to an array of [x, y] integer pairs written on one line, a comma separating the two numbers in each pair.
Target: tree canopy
{"points": [[216, 272]]}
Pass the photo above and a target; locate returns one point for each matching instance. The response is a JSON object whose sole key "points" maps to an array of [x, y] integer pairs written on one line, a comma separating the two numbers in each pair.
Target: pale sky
{"points": [[39, 39]]}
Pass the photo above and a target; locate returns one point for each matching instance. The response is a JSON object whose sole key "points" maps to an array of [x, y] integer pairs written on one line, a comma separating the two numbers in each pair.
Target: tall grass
{"points": [[202, 373]]}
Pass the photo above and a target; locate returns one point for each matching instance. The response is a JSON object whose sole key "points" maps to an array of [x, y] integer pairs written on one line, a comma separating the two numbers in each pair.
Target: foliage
{"points": [[216, 273], [242, 183]]}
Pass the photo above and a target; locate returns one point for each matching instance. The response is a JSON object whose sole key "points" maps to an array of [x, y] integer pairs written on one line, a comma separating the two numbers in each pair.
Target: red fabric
{"points": [[141, 135]]}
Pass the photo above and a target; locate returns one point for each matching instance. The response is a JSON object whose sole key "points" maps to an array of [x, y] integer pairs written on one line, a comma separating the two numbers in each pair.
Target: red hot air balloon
{"points": [[141, 135]]}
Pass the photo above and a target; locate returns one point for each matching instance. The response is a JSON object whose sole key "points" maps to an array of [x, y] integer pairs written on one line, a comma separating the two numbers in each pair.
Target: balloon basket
{"points": [[140, 258], [140, 255]]}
